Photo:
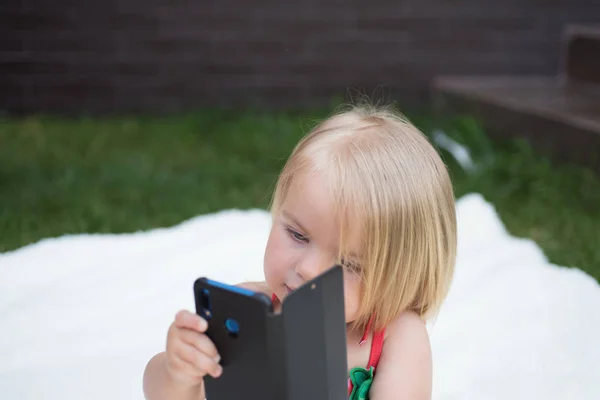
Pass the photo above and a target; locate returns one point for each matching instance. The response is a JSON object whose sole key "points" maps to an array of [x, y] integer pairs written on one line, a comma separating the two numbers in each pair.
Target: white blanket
{"points": [[81, 315]]}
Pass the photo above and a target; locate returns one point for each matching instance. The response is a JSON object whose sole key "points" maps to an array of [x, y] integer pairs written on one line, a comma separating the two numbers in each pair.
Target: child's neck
{"points": [[358, 355]]}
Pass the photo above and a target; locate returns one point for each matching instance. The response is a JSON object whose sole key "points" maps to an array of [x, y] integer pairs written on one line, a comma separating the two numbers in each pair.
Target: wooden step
{"points": [[559, 119], [582, 54]]}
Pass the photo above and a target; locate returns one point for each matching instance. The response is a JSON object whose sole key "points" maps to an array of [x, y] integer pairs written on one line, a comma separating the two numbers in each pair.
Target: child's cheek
{"points": [[275, 258], [270, 270], [351, 298]]}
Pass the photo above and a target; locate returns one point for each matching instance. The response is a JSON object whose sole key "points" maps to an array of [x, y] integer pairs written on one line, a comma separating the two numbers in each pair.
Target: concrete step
{"points": [[559, 118], [581, 60]]}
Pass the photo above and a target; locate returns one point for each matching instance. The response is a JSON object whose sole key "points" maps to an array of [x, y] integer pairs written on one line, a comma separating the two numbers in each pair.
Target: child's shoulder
{"points": [[405, 365], [406, 337], [406, 325]]}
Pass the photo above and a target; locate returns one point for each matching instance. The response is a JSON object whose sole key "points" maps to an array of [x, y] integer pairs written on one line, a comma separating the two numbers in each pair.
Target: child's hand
{"points": [[190, 353]]}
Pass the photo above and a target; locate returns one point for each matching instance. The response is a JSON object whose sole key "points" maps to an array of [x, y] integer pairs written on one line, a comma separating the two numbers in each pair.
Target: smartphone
{"points": [[296, 354], [239, 324]]}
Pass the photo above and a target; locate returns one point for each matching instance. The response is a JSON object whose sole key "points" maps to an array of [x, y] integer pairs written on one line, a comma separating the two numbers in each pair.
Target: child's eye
{"points": [[296, 235]]}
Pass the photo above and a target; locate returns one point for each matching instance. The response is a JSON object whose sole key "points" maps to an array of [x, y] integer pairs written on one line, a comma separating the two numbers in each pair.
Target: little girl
{"points": [[364, 189]]}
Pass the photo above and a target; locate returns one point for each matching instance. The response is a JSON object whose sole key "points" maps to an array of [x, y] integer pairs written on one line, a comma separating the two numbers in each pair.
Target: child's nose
{"points": [[310, 267]]}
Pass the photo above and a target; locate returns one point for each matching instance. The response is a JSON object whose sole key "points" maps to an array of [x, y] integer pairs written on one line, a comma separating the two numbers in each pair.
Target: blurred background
{"points": [[125, 115]]}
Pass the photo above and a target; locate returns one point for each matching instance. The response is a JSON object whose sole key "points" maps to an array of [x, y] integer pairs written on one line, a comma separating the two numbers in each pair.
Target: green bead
{"points": [[361, 383]]}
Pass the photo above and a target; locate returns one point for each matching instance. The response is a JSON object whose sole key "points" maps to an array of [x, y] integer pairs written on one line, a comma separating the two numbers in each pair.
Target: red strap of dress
{"points": [[376, 345], [375, 354], [376, 348]]}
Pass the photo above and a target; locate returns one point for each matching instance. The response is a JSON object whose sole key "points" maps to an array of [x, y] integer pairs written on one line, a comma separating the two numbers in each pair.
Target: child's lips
{"points": [[289, 289]]}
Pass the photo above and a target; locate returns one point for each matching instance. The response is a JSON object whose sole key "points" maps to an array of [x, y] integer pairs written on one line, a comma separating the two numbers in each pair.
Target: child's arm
{"points": [[404, 371], [159, 383], [179, 372]]}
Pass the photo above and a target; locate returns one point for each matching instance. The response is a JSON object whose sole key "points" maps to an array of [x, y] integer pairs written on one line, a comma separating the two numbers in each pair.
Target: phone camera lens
{"points": [[232, 327]]}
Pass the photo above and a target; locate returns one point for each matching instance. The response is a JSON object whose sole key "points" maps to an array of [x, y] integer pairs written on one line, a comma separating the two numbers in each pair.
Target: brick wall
{"points": [[167, 55]]}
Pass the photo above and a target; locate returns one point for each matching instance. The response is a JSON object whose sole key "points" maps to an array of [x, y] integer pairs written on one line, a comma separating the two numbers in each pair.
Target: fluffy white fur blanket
{"points": [[81, 315]]}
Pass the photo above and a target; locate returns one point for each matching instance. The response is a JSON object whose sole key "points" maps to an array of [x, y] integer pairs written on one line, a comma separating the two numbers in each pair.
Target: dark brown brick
{"points": [[156, 55]]}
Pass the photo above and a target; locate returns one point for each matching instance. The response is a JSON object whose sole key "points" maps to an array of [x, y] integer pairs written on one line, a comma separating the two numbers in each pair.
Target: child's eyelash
{"points": [[296, 235], [351, 265]]}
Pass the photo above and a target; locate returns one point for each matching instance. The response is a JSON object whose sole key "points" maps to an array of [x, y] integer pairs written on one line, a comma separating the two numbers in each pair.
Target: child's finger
{"points": [[200, 361], [188, 320], [201, 342], [184, 369]]}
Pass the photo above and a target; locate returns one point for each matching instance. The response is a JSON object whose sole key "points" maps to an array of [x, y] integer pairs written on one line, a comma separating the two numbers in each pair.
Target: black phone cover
{"points": [[246, 358], [297, 354]]}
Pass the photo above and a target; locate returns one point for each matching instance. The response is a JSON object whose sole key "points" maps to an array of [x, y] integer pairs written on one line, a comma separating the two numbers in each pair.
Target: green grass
{"points": [[60, 176]]}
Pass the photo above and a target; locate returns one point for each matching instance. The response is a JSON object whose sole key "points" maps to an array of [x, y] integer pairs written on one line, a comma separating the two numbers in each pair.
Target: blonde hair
{"points": [[386, 178]]}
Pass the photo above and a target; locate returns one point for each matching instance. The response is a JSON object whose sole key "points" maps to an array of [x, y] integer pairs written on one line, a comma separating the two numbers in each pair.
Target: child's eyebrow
{"points": [[294, 220]]}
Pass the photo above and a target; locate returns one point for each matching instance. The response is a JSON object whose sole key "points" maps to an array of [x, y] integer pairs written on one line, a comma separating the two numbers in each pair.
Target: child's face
{"points": [[303, 243]]}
